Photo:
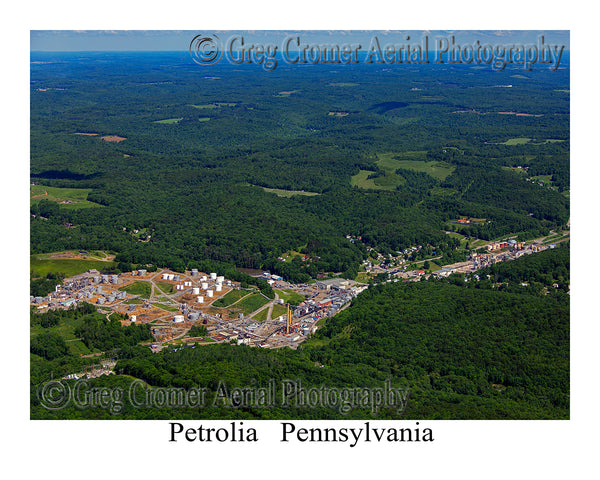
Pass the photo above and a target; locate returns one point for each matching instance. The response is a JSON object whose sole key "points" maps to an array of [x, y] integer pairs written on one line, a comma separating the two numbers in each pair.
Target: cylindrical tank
{"points": [[110, 298], [203, 278], [220, 279], [204, 285], [133, 318], [196, 290], [213, 276], [194, 316], [219, 287], [209, 293], [100, 301], [200, 299], [194, 272], [178, 319], [165, 276]]}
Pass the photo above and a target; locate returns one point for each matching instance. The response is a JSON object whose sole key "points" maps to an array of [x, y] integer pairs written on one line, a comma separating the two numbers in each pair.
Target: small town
{"points": [[173, 303]]}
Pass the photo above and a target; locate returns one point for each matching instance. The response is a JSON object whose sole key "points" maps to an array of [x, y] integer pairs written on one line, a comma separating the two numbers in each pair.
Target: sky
{"points": [[179, 40]]}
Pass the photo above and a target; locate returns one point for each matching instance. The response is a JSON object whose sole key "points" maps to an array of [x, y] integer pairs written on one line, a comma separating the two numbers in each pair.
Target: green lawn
{"points": [[143, 289], [76, 196], [290, 296], [231, 297], [251, 303], [40, 266], [278, 310], [165, 287]]}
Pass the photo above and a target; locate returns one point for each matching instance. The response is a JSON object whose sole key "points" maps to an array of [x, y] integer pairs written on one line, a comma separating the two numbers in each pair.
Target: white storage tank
{"points": [[171, 276], [165, 276], [187, 284], [200, 299], [213, 276], [178, 319], [219, 287], [220, 279], [203, 278], [204, 285], [196, 290], [133, 318], [209, 293]]}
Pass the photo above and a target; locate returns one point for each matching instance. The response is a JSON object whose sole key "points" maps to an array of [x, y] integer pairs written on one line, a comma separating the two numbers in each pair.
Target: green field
{"points": [[230, 297], [411, 161], [525, 140], [288, 193], [165, 287], [290, 296], [40, 267], [77, 197], [142, 289], [391, 161], [251, 303], [203, 119], [169, 121], [278, 310], [344, 84], [167, 307], [214, 105], [384, 183]]}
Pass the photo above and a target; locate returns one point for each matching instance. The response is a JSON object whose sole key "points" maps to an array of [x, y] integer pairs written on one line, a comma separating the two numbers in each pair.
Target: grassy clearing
{"points": [[414, 161], [389, 162], [289, 193], [278, 310], [516, 141], [360, 180], [168, 308], [142, 289], [71, 198], [165, 287], [290, 296], [230, 297], [344, 84], [203, 119], [40, 267], [251, 303], [214, 105], [169, 121]]}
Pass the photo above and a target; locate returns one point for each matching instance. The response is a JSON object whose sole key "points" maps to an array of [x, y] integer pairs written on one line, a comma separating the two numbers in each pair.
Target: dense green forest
{"points": [[462, 350], [195, 184]]}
